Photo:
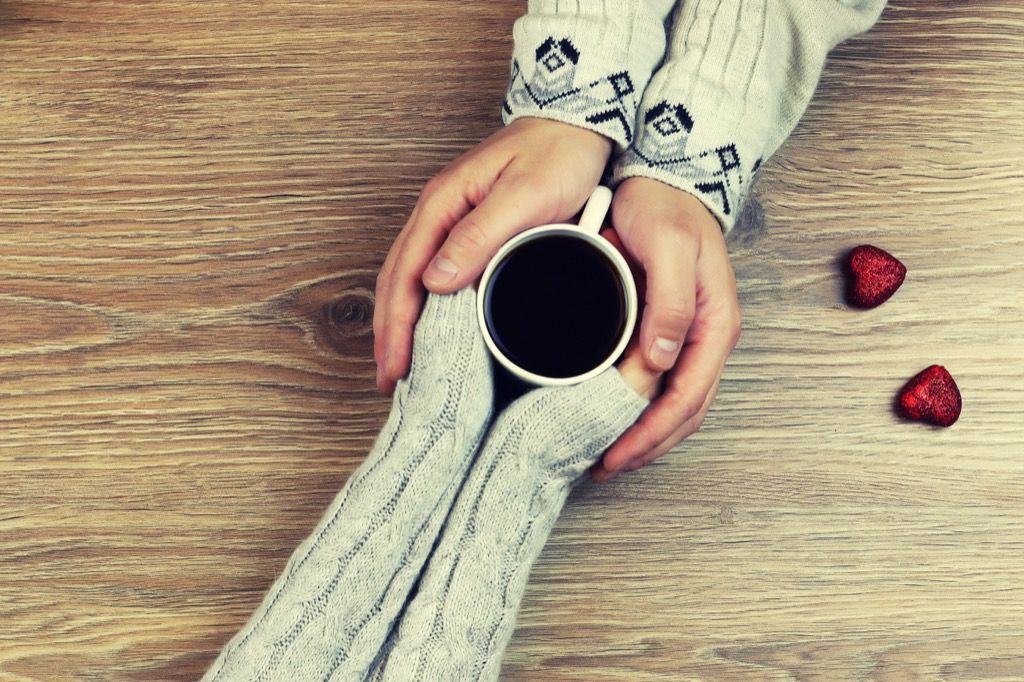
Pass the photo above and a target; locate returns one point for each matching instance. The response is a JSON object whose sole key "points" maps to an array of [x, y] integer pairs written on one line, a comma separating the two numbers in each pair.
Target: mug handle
{"points": [[595, 210]]}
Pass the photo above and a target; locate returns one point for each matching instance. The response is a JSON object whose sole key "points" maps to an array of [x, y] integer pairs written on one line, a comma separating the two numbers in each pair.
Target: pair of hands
{"points": [[535, 171]]}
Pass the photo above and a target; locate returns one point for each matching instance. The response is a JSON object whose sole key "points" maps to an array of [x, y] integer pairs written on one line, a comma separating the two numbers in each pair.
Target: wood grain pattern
{"points": [[194, 202]]}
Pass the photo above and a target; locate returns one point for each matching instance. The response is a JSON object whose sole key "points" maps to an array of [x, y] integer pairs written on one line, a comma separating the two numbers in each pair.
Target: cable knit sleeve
{"points": [[737, 78], [586, 62]]}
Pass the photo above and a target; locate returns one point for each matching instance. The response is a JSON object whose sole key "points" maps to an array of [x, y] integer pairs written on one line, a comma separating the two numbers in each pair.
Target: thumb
{"points": [[638, 375], [670, 298], [513, 204]]}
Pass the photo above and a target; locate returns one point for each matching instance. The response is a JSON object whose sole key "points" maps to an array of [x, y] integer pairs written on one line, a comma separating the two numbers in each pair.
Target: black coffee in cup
{"points": [[555, 306]]}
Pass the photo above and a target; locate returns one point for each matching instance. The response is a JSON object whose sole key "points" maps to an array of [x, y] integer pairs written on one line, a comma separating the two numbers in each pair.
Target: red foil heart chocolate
{"points": [[873, 275], [931, 397]]}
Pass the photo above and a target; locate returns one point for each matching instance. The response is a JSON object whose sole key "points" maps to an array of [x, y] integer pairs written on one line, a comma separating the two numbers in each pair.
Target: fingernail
{"points": [[663, 351], [441, 270], [633, 466]]}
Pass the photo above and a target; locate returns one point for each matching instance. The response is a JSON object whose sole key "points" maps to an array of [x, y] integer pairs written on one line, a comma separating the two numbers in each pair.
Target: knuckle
{"points": [[436, 184], [396, 316], [404, 318], [627, 206], [735, 327], [653, 433], [673, 314], [468, 237], [542, 190], [694, 426], [685, 406], [648, 439], [660, 451], [737, 333], [382, 295], [534, 184], [379, 313], [668, 233]]}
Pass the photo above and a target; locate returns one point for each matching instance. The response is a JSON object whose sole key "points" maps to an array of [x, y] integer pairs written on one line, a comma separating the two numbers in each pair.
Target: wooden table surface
{"points": [[195, 198]]}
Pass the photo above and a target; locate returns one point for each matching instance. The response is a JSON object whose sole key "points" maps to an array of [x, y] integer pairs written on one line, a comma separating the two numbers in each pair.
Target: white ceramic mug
{"points": [[588, 230]]}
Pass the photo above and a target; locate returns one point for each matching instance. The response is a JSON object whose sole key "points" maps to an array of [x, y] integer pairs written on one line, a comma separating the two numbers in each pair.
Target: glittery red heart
{"points": [[932, 397], [873, 276]]}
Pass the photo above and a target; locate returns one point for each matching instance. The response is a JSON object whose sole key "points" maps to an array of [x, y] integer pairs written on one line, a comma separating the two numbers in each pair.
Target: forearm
{"points": [[333, 606], [461, 619], [737, 78]]}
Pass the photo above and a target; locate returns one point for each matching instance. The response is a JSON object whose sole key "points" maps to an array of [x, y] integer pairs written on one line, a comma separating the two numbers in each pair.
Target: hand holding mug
{"points": [[531, 172], [691, 315], [534, 172]]}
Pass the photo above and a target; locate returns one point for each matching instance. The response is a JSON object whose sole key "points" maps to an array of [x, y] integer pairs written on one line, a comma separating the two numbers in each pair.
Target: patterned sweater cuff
{"points": [[737, 79], [695, 148], [587, 66]]}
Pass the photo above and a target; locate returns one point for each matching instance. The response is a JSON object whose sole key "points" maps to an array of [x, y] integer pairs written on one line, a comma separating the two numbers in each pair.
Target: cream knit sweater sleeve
{"points": [[737, 77], [586, 62]]}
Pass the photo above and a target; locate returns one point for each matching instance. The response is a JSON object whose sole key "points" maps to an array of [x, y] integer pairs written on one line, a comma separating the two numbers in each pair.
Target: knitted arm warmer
{"points": [[586, 62], [328, 614], [461, 618], [737, 78]]}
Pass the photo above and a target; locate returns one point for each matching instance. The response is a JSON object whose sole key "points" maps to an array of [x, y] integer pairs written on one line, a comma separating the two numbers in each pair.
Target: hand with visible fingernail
{"points": [[690, 321], [531, 172]]}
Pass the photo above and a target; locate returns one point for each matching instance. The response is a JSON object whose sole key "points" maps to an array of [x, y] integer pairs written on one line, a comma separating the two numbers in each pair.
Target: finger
{"points": [[688, 385], [380, 301], [600, 473], [388, 267], [382, 298], [635, 372], [669, 260], [690, 426], [512, 205], [686, 429], [710, 341], [441, 205]]}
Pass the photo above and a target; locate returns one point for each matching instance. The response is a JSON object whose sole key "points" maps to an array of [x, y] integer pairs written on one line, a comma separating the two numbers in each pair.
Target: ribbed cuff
{"points": [[695, 134], [586, 63]]}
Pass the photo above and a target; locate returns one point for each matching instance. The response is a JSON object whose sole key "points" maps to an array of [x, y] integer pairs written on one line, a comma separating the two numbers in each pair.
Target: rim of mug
{"points": [[609, 251]]}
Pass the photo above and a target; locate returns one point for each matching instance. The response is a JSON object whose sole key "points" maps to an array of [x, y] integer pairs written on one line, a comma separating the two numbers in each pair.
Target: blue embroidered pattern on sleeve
{"points": [[609, 101], [662, 143]]}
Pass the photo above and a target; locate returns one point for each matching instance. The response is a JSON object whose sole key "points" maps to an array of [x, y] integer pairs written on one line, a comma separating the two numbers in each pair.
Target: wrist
{"points": [[677, 205], [591, 143], [709, 195]]}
